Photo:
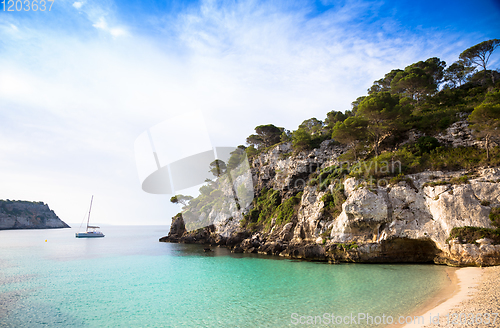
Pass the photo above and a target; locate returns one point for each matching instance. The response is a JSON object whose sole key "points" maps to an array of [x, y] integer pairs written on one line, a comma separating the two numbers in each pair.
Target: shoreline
{"points": [[446, 293], [472, 290]]}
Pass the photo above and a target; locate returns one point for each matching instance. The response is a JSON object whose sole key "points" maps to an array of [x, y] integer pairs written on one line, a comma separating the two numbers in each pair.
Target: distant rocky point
{"points": [[19, 214]]}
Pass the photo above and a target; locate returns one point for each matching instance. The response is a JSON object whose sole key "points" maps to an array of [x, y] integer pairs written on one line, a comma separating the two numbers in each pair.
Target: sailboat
{"points": [[91, 231]]}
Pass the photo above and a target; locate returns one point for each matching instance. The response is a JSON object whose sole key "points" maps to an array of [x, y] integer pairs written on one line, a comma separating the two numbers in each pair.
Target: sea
{"points": [[49, 278]]}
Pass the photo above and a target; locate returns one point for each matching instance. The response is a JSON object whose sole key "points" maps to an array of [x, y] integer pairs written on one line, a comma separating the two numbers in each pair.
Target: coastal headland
{"points": [[17, 214], [411, 174], [410, 221]]}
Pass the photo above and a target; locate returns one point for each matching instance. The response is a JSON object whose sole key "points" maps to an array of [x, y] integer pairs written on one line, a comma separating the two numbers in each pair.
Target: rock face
{"points": [[28, 215], [177, 228], [418, 211], [279, 170], [458, 134], [407, 220]]}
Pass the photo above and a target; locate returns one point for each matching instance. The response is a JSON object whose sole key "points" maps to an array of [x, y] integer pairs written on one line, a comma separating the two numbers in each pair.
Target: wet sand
{"points": [[471, 300]]}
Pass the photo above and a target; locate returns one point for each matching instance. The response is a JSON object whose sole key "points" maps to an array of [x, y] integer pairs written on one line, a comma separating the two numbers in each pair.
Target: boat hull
{"points": [[88, 235]]}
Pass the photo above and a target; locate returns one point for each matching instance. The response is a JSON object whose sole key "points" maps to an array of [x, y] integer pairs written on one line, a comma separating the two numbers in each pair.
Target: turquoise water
{"points": [[129, 279]]}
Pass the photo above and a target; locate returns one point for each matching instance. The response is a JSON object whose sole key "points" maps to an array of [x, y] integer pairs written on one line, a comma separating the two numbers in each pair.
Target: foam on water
{"points": [[129, 279]]}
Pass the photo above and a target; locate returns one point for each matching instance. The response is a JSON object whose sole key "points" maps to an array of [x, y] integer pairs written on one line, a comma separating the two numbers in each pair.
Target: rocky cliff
{"points": [[405, 219], [28, 215]]}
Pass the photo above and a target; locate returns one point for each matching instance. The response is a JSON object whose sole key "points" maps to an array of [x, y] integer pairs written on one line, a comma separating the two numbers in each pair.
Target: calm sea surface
{"points": [[129, 279]]}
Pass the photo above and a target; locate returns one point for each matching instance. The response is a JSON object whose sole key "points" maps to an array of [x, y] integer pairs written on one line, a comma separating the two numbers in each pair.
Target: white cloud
{"points": [[78, 4], [9, 29], [117, 31], [101, 24]]}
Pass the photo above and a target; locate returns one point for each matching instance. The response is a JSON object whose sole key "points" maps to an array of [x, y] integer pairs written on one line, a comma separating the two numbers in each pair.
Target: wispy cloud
{"points": [[101, 24], [8, 29], [101, 16]]}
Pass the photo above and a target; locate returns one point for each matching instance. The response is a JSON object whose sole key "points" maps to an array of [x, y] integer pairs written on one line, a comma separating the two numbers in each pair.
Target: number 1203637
{"points": [[27, 5], [474, 319]]}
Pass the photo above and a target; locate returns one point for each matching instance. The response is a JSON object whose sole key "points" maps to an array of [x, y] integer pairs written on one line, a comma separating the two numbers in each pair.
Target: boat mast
{"points": [[88, 219]]}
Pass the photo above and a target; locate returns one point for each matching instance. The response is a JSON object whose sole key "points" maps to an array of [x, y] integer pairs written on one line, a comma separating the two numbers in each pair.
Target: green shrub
{"points": [[333, 201], [326, 234], [469, 235], [265, 205], [485, 203], [329, 175], [251, 151], [436, 183], [453, 159], [348, 246], [464, 179], [304, 140], [268, 206], [426, 144], [409, 159], [382, 166], [287, 210], [284, 156], [312, 182], [419, 157], [401, 177], [495, 216]]}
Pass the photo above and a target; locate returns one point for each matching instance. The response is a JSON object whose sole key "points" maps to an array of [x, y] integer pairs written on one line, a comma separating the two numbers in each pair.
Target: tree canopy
{"points": [[218, 167], [181, 199], [236, 158], [419, 79], [383, 113], [351, 132], [384, 84], [457, 73], [486, 119], [266, 136], [301, 139], [479, 55], [415, 97], [334, 116], [312, 125]]}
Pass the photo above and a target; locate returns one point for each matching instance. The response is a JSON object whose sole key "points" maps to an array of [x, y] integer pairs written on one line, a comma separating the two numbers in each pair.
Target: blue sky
{"points": [[79, 84]]}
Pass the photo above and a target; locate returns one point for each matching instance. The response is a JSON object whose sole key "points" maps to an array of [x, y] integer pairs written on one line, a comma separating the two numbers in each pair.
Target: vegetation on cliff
{"points": [[392, 131], [269, 206], [472, 234], [425, 96]]}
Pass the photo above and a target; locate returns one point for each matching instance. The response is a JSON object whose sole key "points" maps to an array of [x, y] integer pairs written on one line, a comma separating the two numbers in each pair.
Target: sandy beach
{"points": [[474, 301]]}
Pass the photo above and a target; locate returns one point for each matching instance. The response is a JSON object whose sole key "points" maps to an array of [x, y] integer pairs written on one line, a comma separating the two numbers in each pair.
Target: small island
{"points": [[20, 214]]}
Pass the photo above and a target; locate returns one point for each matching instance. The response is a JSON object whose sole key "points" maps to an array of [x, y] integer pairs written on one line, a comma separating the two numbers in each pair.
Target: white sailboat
{"points": [[91, 231]]}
